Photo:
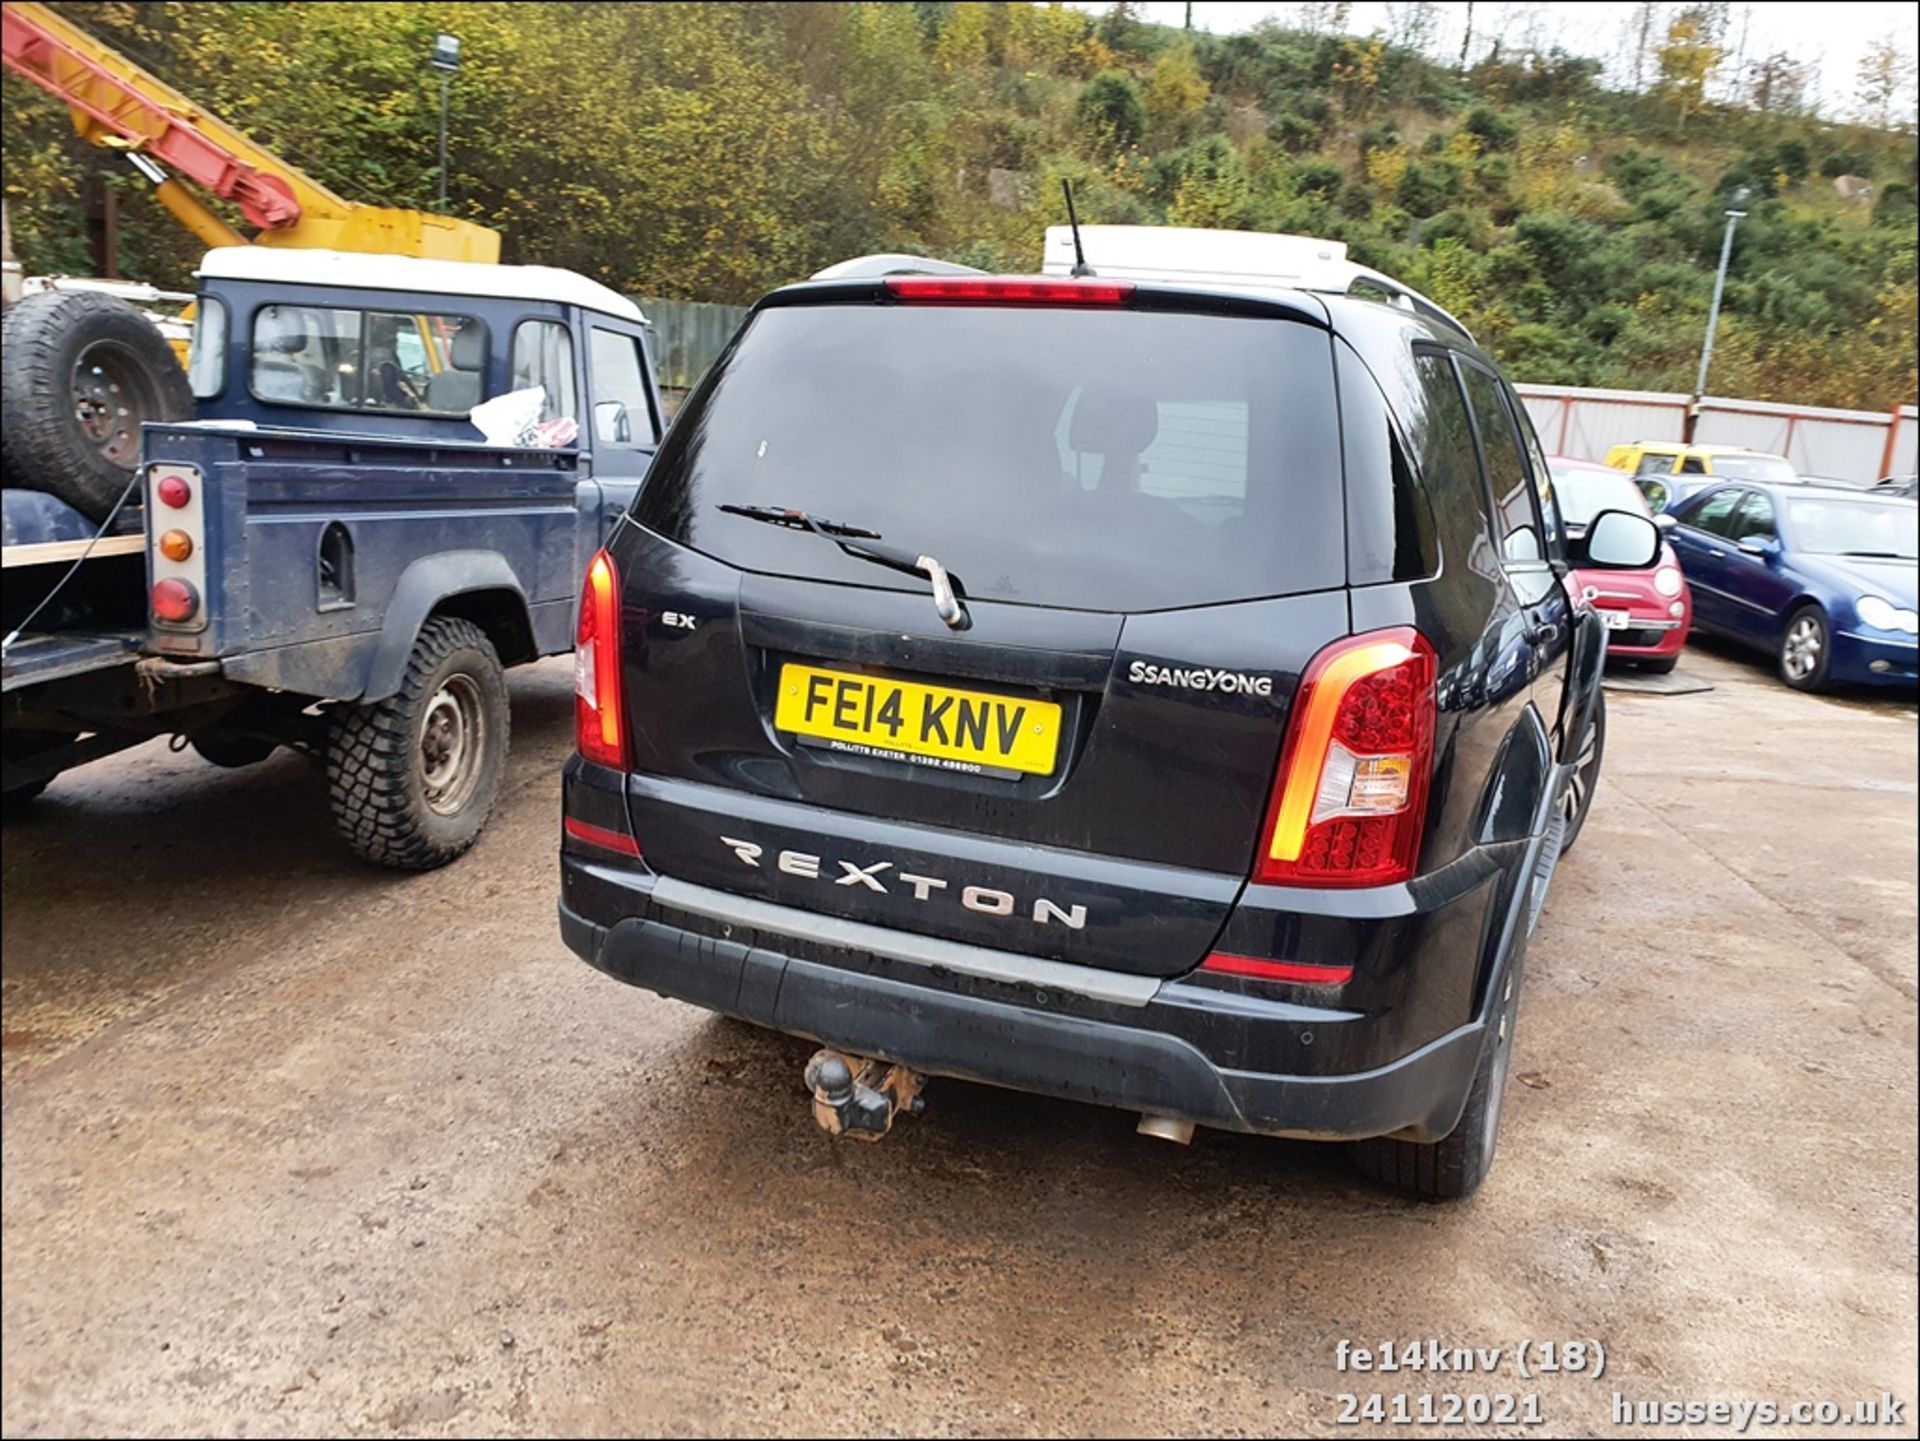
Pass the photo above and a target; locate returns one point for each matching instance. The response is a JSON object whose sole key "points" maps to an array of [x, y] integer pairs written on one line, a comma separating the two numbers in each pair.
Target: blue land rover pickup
{"points": [[334, 553]]}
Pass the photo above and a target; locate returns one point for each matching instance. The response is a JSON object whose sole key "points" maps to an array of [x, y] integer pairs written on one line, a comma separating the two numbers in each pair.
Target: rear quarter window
{"points": [[1102, 459]]}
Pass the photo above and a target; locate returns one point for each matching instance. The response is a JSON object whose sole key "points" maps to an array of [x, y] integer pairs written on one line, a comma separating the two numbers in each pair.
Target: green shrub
{"points": [[1317, 177], [1495, 130], [1111, 110], [1293, 133]]}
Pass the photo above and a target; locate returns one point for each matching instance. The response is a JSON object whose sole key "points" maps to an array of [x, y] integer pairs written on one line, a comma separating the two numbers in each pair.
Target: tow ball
{"points": [[857, 1097]]}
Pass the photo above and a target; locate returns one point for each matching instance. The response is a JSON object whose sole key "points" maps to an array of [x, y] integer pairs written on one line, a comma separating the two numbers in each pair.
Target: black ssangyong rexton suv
{"points": [[1155, 696]]}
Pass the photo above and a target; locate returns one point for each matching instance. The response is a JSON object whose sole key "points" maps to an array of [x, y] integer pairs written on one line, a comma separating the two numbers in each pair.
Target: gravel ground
{"points": [[293, 1146]]}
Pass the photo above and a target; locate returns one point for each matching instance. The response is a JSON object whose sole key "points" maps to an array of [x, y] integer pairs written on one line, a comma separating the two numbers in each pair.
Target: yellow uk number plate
{"points": [[931, 725]]}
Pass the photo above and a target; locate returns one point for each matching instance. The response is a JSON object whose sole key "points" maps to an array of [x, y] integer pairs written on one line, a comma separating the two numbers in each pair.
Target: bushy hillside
{"points": [[712, 151]]}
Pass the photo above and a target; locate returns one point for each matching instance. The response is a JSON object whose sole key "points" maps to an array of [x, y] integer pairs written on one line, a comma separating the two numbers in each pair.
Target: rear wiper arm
{"points": [[858, 543], [1876, 554]]}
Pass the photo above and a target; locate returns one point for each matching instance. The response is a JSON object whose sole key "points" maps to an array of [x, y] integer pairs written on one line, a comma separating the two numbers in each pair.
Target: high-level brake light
{"points": [[998, 290], [1350, 794], [599, 717]]}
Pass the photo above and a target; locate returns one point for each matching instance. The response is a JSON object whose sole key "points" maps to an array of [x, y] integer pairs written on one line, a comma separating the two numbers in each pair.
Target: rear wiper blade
{"points": [[858, 543], [798, 520]]}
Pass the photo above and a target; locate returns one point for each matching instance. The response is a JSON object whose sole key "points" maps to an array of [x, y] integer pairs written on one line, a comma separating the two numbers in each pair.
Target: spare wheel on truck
{"points": [[81, 372]]}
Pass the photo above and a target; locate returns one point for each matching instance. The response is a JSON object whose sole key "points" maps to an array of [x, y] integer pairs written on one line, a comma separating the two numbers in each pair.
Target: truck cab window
{"points": [[543, 357], [304, 356], [622, 415], [368, 360], [207, 352]]}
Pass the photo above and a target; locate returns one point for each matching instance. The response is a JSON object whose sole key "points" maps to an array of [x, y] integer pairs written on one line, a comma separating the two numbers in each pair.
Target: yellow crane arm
{"points": [[118, 104]]}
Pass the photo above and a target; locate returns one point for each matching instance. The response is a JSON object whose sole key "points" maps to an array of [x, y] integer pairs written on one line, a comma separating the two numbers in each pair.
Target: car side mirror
{"points": [[1763, 547], [1619, 540], [610, 421], [1665, 521]]}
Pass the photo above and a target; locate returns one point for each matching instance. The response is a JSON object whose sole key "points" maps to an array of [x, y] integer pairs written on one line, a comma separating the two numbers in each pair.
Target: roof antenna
{"points": [[1080, 267]]}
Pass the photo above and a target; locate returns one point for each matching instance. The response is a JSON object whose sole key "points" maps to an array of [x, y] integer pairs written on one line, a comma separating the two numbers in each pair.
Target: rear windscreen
{"points": [[1093, 459]]}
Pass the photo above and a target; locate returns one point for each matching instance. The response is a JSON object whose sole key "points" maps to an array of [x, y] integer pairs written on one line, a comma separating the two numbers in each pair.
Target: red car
{"points": [[1647, 612]]}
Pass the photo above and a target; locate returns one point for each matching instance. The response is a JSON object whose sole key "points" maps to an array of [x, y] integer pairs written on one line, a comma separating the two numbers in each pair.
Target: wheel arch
{"points": [[474, 585]]}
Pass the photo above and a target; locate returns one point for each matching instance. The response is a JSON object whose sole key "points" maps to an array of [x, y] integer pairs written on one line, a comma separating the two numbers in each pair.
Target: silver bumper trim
{"points": [[1113, 987]]}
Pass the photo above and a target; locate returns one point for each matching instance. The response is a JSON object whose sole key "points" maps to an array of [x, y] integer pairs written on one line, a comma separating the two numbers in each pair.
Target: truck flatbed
{"points": [[33, 659]]}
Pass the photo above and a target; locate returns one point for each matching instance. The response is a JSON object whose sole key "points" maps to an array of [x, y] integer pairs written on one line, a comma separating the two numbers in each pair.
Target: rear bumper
{"points": [[1126, 1056]]}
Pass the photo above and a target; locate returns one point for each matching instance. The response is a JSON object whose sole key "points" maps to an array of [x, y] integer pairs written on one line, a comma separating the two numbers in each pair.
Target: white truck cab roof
{"points": [[1230, 259], [359, 271]]}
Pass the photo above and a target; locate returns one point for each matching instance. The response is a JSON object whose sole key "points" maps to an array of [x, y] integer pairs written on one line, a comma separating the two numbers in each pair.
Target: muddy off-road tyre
{"points": [[413, 777], [81, 372]]}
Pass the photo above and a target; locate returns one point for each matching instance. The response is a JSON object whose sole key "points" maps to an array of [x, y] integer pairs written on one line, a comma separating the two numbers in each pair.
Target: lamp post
{"points": [[1736, 211], [446, 59]]}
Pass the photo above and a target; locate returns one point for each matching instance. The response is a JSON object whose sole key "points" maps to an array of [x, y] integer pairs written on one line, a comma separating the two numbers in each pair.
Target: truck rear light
{"points": [[599, 717], [173, 490], [1350, 794], [176, 545], [174, 600], [1258, 968], [998, 290]]}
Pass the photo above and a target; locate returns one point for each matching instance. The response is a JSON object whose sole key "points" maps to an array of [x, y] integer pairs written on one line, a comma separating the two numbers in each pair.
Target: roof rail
{"points": [[1371, 283]]}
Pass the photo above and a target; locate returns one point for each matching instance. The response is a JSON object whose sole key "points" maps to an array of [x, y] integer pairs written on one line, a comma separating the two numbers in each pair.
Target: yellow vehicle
{"points": [[1668, 471]]}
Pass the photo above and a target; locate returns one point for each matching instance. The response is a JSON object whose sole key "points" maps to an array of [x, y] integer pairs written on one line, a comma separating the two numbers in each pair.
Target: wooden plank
{"points": [[51, 551]]}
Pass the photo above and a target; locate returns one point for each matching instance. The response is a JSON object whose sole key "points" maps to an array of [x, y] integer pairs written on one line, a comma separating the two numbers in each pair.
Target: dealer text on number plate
{"points": [[933, 725]]}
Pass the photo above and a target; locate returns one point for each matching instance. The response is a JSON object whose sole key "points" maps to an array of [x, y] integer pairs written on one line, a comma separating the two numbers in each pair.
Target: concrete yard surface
{"points": [[296, 1146]]}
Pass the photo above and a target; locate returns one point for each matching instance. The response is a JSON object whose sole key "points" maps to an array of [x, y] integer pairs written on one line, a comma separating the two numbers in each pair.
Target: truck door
{"points": [[625, 407]]}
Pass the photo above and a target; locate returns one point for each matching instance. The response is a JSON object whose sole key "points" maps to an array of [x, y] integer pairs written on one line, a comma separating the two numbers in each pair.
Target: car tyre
{"points": [[1453, 1167], [1806, 649], [412, 778], [1588, 757]]}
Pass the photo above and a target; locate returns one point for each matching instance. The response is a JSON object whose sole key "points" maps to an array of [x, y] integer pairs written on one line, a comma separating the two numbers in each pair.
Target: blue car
{"points": [[1820, 577]]}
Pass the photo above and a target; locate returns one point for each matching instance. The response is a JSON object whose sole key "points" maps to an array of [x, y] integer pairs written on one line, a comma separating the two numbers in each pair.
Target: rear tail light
{"points": [[176, 545], [174, 601], [996, 290], [173, 490], [1350, 795], [599, 718]]}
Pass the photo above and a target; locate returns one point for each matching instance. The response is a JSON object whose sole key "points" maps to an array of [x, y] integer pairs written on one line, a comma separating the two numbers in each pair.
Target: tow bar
{"points": [[857, 1097]]}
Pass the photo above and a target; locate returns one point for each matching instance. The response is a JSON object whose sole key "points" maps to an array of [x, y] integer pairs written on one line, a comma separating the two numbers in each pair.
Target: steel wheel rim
{"points": [[1578, 782], [1804, 645], [453, 740], [112, 395]]}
